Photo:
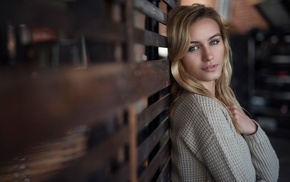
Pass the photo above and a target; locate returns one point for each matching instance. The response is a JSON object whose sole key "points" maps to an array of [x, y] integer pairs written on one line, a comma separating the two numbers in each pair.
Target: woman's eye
{"points": [[192, 48], [214, 42]]}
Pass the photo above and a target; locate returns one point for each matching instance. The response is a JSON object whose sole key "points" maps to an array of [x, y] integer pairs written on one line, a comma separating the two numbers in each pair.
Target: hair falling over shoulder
{"points": [[180, 20]]}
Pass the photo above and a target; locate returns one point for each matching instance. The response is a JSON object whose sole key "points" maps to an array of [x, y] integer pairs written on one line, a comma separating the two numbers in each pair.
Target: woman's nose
{"points": [[207, 54]]}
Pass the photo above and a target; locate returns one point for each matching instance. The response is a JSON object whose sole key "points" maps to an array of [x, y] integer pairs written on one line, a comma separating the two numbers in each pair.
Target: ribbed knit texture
{"points": [[206, 146]]}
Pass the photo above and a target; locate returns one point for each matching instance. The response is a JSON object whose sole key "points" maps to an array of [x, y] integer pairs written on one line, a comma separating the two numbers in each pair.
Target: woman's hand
{"points": [[244, 123]]}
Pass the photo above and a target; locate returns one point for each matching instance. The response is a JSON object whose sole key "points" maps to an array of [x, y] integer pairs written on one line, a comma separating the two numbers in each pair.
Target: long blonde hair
{"points": [[180, 20]]}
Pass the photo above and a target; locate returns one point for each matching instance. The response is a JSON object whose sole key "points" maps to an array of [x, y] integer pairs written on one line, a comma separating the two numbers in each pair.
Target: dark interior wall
{"points": [[239, 46]]}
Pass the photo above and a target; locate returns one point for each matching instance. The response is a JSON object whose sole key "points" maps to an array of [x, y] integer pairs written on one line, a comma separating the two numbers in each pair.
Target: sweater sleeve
{"points": [[263, 155], [211, 136]]}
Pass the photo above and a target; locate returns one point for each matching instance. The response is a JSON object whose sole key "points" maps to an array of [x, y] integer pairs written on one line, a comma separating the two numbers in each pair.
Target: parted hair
{"points": [[180, 20]]}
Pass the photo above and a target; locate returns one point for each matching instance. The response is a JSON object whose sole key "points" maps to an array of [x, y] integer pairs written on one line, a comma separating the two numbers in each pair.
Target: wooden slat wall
{"points": [[88, 75]]}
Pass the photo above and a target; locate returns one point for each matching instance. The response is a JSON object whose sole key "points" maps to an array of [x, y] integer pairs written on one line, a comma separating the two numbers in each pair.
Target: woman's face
{"points": [[205, 57]]}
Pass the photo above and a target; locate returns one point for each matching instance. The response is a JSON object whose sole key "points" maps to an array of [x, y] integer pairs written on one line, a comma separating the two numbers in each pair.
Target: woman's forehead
{"points": [[204, 29]]}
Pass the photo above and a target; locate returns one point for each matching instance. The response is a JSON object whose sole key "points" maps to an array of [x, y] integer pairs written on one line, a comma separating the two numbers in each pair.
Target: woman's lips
{"points": [[210, 68]]}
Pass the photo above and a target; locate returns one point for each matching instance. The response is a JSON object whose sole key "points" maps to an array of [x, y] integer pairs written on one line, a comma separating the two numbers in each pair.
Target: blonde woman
{"points": [[212, 138]]}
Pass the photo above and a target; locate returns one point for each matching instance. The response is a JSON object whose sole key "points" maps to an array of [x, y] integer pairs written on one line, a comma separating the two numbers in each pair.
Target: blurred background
{"points": [[44, 40]]}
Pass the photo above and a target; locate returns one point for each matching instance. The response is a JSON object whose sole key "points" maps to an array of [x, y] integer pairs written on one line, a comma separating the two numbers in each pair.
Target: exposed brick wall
{"points": [[244, 17]]}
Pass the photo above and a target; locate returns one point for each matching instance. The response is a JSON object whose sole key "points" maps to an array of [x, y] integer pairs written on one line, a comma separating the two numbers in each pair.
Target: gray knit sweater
{"points": [[206, 146]]}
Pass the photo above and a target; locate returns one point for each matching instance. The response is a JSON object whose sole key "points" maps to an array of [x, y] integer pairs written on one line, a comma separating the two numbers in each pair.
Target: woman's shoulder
{"points": [[195, 106], [194, 112], [195, 101]]}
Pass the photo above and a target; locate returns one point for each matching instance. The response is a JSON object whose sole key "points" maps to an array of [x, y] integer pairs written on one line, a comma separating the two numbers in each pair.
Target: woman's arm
{"points": [[211, 136], [263, 155]]}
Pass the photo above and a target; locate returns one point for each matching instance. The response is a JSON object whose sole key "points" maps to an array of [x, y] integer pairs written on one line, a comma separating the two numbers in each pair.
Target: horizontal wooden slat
{"points": [[45, 105], [71, 98], [78, 21], [153, 111], [149, 38], [78, 18], [171, 3], [121, 175], [154, 39], [110, 31], [95, 158], [34, 11], [165, 173], [118, 1], [147, 146], [150, 10], [162, 155]]}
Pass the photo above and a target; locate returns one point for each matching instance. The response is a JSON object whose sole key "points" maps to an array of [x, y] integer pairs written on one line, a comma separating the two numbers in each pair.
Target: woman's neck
{"points": [[209, 86]]}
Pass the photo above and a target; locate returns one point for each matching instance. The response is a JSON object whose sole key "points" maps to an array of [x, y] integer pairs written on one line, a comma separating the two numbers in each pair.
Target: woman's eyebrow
{"points": [[215, 35]]}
